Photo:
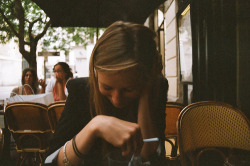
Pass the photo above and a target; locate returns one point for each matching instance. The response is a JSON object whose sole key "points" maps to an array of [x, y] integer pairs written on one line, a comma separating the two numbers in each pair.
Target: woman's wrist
{"points": [[59, 82], [86, 138], [83, 141], [94, 126]]}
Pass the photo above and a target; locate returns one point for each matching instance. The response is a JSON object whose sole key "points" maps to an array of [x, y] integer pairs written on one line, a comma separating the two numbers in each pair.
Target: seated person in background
{"points": [[29, 84], [121, 103], [58, 86]]}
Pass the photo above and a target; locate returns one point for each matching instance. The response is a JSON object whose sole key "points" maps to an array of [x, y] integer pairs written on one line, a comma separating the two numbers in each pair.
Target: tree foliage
{"points": [[26, 23], [66, 37]]}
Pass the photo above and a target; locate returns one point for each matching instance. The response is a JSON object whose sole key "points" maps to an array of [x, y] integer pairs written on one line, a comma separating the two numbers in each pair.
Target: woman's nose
{"points": [[116, 98]]}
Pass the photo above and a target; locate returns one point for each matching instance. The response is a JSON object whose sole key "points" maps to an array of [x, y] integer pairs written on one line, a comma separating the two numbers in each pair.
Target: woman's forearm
{"points": [[60, 88], [42, 90], [147, 127], [84, 141]]}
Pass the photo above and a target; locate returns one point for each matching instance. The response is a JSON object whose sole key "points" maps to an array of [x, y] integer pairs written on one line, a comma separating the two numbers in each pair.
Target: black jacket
{"points": [[76, 115]]}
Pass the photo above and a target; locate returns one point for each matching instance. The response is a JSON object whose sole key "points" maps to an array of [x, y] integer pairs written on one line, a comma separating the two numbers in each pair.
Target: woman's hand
{"points": [[60, 78], [119, 133], [41, 82]]}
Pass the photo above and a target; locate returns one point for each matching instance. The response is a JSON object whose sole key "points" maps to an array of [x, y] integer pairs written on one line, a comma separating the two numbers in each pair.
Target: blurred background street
{"points": [[5, 91]]}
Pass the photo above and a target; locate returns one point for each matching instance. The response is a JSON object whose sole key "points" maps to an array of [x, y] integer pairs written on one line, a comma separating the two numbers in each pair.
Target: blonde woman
{"points": [[120, 104]]}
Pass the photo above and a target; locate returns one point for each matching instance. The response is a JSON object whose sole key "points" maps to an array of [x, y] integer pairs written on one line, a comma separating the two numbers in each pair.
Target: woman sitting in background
{"points": [[58, 86], [29, 84]]}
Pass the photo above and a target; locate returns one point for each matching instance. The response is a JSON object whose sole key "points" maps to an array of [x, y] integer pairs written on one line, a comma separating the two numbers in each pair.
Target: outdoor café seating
{"points": [[213, 133], [54, 111], [1, 141], [29, 124], [173, 110]]}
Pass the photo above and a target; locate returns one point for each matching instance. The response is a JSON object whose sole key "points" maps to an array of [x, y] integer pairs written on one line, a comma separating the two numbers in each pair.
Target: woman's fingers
{"points": [[41, 82], [125, 149], [133, 141], [60, 78], [122, 134], [133, 145], [129, 146]]}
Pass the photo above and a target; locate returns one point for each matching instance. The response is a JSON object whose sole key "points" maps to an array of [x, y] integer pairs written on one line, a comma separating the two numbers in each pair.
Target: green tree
{"points": [[26, 23], [63, 38]]}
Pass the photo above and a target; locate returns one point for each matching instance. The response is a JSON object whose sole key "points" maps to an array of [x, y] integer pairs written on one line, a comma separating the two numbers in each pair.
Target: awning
{"points": [[96, 13]]}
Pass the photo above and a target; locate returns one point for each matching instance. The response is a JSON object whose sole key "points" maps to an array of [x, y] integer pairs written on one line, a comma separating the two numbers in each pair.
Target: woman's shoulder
{"points": [[78, 85], [15, 91], [78, 81], [16, 88]]}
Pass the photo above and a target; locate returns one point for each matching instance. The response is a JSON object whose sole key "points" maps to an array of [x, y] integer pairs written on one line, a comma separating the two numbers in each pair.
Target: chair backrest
{"points": [[1, 140], [209, 124], [173, 110], [54, 111], [23, 117]]}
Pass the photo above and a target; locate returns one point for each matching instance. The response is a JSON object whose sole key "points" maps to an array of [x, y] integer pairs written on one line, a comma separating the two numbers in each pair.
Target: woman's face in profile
{"points": [[121, 88], [28, 78]]}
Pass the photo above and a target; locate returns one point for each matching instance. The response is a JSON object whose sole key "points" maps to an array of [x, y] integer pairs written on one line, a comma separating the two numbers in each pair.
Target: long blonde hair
{"points": [[122, 46]]}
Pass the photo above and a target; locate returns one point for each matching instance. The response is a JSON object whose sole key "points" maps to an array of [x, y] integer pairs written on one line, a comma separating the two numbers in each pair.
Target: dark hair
{"points": [[65, 68], [34, 81]]}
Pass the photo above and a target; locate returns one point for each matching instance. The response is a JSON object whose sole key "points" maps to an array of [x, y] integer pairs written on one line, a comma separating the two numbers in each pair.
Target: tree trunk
{"points": [[32, 54], [33, 63]]}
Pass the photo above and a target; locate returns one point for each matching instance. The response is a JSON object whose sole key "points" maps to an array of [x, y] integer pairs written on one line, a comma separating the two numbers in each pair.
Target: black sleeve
{"points": [[75, 114]]}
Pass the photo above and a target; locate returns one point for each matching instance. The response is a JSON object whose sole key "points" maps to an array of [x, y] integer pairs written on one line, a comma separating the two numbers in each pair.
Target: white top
{"points": [[50, 86], [135, 159]]}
